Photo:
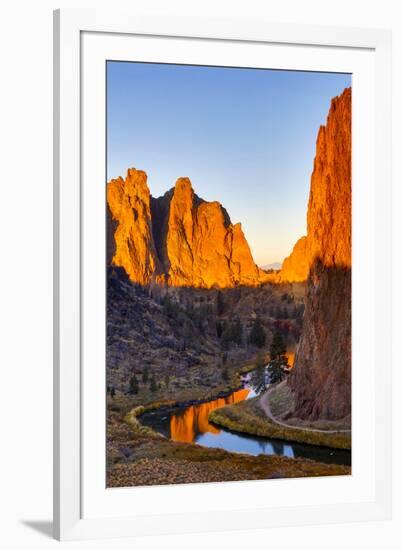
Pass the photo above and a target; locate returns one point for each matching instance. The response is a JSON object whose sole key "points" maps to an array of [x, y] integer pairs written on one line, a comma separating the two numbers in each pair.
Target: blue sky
{"points": [[245, 137]]}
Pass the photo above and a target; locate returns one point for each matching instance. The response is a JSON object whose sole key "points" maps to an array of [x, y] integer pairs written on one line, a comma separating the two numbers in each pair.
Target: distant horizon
{"points": [[244, 137]]}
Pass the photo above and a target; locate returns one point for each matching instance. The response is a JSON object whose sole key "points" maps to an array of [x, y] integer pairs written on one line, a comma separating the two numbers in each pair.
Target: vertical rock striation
{"points": [[203, 248], [178, 239], [329, 207], [296, 266], [128, 202], [321, 378]]}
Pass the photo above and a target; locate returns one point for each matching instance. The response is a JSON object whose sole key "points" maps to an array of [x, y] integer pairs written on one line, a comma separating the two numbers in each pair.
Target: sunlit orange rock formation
{"points": [[178, 239], [321, 377], [129, 205], [203, 248], [329, 207], [296, 266]]}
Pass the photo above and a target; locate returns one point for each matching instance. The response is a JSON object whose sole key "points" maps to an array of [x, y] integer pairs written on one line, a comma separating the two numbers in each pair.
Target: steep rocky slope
{"points": [[130, 242], [180, 331], [178, 239], [146, 332], [329, 207], [203, 248], [321, 378], [296, 266]]}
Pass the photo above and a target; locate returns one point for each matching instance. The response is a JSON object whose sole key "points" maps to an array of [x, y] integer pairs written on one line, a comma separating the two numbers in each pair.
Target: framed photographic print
{"points": [[222, 200]]}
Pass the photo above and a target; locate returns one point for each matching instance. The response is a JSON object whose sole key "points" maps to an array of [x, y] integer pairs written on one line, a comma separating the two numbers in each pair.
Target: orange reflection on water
{"points": [[194, 420], [291, 358]]}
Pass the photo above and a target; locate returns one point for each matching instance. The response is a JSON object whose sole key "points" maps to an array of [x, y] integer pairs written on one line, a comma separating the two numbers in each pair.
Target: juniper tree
{"points": [[145, 375], [133, 385], [153, 385], [278, 359], [257, 334], [220, 303], [237, 332], [278, 346]]}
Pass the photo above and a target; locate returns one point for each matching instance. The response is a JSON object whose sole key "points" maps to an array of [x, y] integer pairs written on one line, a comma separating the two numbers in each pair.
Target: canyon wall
{"points": [[129, 225], [296, 266], [203, 248], [321, 378], [177, 239], [329, 207]]}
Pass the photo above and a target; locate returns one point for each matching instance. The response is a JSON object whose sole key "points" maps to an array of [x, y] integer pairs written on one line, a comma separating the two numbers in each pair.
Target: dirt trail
{"points": [[264, 404]]}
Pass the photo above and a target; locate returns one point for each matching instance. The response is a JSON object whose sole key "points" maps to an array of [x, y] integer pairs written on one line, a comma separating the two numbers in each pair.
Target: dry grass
{"points": [[137, 455], [142, 457], [247, 417]]}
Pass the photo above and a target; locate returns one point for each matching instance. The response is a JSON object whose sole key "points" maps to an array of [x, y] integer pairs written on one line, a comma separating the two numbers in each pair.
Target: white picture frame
{"points": [[83, 507]]}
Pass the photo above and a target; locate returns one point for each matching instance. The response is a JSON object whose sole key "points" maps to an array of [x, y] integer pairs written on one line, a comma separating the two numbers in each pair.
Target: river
{"points": [[190, 424]]}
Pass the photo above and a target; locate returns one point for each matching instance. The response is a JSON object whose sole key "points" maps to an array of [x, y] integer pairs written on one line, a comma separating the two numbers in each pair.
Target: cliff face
{"points": [[129, 204], [321, 377], [203, 248], [329, 208], [296, 267], [178, 239]]}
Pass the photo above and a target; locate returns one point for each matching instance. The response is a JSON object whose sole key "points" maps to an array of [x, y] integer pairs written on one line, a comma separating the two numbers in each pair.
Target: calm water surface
{"points": [[190, 424]]}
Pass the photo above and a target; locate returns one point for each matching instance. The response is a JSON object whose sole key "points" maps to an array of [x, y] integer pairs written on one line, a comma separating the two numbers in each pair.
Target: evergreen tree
{"points": [[145, 375], [278, 359], [226, 337], [276, 371], [153, 385], [112, 392], [237, 332], [278, 346], [225, 374], [220, 303], [257, 334], [133, 384], [219, 328]]}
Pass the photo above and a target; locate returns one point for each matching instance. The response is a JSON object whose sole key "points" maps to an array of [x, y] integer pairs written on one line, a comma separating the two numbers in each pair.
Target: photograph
{"points": [[188, 353], [228, 265]]}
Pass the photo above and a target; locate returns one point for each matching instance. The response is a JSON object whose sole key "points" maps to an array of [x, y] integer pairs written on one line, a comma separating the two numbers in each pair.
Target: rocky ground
{"points": [[177, 335]]}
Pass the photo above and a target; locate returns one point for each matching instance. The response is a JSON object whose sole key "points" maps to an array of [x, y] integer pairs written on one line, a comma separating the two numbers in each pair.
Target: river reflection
{"points": [[190, 425], [193, 421], [290, 354]]}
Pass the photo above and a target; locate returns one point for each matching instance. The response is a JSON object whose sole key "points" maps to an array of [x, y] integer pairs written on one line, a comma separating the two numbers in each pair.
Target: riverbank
{"points": [[148, 401], [199, 384], [138, 455], [262, 416]]}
